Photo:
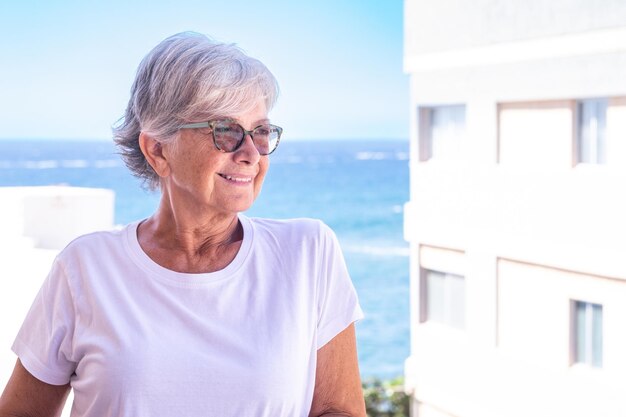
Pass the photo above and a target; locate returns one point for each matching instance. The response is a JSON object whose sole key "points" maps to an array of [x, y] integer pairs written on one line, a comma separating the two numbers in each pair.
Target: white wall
{"points": [[457, 24], [50, 217], [35, 223], [533, 230]]}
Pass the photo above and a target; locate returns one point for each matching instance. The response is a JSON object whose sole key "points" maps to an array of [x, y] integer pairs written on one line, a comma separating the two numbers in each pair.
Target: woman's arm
{"points": [[27, 396], [338, 389]]}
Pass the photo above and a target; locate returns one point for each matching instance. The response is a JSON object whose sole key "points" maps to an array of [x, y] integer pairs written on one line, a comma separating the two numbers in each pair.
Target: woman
{"points": [[197, 310]]}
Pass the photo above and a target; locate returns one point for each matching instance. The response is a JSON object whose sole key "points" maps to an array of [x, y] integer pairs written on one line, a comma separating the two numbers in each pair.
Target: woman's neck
{"points": [[183, 242]]}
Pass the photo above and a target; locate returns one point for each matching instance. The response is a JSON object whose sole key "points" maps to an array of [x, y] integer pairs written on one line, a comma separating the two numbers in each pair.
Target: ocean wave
{"points": [[107, 163], [332, 159], [381, 156], [402, 251], [371, 156], [74, 163], [65, 163], [46, 164]]}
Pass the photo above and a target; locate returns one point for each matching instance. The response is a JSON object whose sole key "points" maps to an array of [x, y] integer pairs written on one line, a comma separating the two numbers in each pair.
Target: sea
{"points": [[357, 187]]}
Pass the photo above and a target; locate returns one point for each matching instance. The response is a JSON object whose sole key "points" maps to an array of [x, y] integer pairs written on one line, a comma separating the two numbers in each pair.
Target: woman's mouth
{"points": [[237, 178]]}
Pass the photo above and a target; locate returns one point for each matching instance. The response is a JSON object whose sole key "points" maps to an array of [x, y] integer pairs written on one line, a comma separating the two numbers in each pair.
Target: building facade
{"points": [[517, 214], [35, 223]]}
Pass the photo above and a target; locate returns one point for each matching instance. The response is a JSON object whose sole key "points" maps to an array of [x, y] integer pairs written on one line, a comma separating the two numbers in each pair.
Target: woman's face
{"points": [[210, 181]]}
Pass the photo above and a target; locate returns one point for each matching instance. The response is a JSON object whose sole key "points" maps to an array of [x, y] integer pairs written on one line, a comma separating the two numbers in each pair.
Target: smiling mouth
{"points": [[240, 180]]}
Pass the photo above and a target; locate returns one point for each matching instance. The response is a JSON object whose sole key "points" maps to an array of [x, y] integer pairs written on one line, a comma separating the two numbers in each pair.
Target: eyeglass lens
{"points": [[230, 135]]}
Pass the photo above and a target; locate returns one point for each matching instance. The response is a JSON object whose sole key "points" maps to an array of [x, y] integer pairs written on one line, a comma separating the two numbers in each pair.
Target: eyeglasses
{"points": [[228, 135]]}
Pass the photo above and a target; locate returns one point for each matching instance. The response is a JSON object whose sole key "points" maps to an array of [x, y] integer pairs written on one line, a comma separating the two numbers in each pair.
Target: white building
{"points": [[35, 223], [517, 211]]}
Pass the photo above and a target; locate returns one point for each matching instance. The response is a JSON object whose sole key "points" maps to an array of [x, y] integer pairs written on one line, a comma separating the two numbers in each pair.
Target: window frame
{"points": [[548, 104], [425, 137], [591, 350], [579, 131], [425, 301]]}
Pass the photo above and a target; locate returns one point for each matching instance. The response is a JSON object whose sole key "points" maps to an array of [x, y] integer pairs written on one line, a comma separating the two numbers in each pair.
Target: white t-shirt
{"points": [[136, 339]]}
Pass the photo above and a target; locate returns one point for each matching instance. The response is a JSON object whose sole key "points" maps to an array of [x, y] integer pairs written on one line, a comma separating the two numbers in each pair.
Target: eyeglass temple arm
{"points": [[195, 125]]}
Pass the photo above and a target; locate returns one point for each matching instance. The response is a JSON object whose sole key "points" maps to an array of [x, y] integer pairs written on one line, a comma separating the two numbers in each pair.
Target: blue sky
{"points": [[67, 66]]}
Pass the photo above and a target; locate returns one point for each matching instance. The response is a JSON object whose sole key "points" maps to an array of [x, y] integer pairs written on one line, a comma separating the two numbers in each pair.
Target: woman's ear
{"points": [[153, 152]]}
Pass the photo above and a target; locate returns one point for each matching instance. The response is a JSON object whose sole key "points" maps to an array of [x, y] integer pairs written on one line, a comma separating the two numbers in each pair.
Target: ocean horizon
{"points": [[357, 186]]}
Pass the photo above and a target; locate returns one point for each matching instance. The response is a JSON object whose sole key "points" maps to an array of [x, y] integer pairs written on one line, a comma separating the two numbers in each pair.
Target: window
{"points": [[591, 127], [536, 135], [442, 132], [587, 333], [443, 298]]}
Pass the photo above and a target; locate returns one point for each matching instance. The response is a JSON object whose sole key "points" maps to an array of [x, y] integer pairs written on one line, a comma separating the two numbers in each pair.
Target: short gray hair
{"points": [[188, 77]]}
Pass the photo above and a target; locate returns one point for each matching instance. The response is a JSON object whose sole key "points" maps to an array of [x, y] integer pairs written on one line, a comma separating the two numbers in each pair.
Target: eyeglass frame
{"points": [[211, 123]]}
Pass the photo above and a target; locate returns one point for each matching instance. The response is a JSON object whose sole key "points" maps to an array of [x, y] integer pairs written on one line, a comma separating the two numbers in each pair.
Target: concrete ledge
{"points": [[49, 217]]}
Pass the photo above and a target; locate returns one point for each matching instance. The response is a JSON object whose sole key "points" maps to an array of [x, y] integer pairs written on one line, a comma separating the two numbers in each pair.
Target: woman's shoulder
{"points": [[296, 228], [98, 242]]}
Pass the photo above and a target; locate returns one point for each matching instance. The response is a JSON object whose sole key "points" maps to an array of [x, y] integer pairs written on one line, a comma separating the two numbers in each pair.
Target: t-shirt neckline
{"points": [[183, 279]]}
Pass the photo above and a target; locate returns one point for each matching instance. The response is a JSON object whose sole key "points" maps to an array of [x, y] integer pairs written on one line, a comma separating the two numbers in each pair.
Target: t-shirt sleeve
{"points": [[44, 342], [338, 304]]}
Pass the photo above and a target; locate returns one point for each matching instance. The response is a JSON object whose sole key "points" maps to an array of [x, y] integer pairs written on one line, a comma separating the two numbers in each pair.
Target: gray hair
{"points": [[188, 77]]}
